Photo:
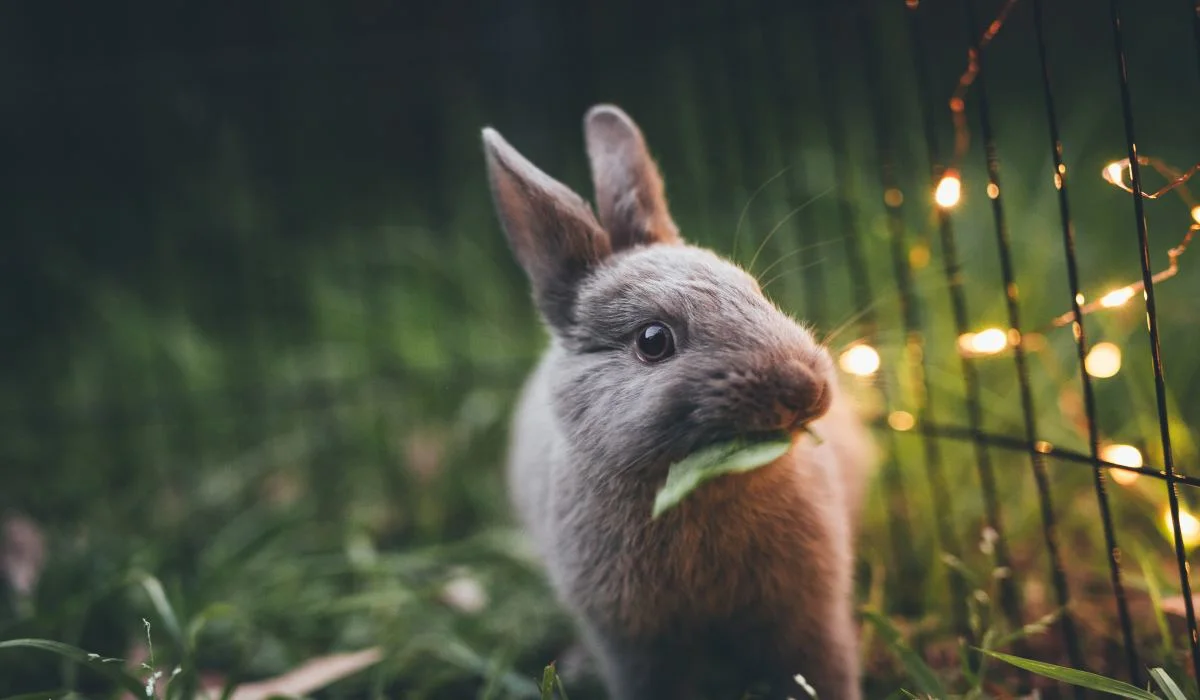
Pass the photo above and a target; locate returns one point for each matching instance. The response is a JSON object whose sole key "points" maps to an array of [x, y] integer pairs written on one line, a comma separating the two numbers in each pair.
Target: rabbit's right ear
{"points": [[551, 230]]}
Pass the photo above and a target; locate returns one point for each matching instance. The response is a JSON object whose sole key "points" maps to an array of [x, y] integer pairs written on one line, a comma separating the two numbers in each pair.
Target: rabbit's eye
{"points": [[655, 342]]}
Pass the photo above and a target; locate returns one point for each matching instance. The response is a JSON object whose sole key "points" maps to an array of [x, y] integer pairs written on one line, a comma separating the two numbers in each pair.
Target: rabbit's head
{"points": [[659, 347]]}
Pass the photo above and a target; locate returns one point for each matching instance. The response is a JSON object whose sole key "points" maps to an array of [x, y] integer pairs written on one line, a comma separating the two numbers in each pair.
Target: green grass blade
{"points": [[1165, 684], [547, 685], [1153, 589], [166, 613], [920, 672], [81, 657], [559, 684], [215, 611], [1082, 679], [706, 464]]}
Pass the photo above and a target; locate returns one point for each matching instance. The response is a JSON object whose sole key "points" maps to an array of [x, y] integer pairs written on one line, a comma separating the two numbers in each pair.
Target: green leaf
{"points": [[1083, 679], [925, 678], [79, 656], [711, 462], [1168, 686]]}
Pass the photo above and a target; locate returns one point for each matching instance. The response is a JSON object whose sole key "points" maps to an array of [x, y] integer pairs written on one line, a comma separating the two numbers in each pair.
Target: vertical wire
{"points": [[910, 312], [1009, 595], [1068, 232], [1160, 388], [860, 281]]}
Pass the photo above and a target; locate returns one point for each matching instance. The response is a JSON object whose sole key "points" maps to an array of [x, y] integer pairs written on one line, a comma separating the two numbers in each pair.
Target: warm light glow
{"points": [[1116, 297], [986, 342], [901, 420], [993, 190], [1103, 361], [860, 360], [893, 197], [1126, 455], [1112, 172], [1196, 213], [918, 256], [949, 190], [1189, 527]]}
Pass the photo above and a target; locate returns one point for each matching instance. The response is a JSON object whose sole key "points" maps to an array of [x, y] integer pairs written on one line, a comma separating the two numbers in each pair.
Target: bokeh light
{"points": [[860, 360], [1126, 455], [949, 190], [1103, 360]]}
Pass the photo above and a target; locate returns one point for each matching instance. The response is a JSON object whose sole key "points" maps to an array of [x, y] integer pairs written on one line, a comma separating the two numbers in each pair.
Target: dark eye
{"points": [[655, 342]]}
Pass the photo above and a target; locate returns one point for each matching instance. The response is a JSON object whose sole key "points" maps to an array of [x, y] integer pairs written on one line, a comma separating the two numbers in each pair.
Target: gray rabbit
{"points": [[658, 348]]}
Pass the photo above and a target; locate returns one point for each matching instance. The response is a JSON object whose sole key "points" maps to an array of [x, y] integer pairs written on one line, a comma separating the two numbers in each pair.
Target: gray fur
{"points": [[750, 578]]}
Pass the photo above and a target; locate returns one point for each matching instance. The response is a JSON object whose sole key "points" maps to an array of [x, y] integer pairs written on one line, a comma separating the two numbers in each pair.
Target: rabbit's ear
{"points": [[629, 189], [551, 230]]}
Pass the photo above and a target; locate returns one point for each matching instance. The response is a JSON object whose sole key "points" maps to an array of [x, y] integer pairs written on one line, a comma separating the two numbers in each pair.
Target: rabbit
{"points": [[658, 348]]}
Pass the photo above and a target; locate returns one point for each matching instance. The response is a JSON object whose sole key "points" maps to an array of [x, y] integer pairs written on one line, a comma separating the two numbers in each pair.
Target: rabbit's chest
{"points": [[736, 547]]}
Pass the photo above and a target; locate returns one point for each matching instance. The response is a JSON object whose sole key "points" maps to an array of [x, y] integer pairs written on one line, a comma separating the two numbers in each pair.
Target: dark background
{"points": [[262, 332]]}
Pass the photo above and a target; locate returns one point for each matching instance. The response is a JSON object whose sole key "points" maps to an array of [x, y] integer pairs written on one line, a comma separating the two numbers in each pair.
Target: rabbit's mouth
{"points": [[745, 437]]}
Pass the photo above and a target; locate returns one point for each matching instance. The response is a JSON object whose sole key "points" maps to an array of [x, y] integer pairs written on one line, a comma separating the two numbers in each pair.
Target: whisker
{"points": [[797, 251], [782, 221], [737, 232], [791, 270], [853, 318]]}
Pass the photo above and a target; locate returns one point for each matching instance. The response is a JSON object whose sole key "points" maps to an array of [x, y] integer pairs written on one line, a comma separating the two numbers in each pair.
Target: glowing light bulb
{"points": [[1112, 172], [860, 360], [949, 190], [1103, 360], [1196, 213], [1116, 297], [1125, 455], [901, 420], [1189, 527], [986, 342]]}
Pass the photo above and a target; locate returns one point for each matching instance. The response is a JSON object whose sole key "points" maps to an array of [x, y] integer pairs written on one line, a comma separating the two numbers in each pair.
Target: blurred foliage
{"points": [[266, 334]]}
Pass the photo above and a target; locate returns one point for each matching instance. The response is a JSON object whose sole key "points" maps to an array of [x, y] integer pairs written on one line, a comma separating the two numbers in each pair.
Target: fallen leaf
{"points": [[22, 553], [1174, 605], [306, 678]]}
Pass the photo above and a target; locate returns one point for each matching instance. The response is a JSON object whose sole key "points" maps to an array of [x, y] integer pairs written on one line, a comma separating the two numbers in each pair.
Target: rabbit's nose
{"points": [[797, 396]]}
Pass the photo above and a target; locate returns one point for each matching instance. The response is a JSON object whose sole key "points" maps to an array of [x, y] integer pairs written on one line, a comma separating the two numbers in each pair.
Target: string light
{"points": [[860, 360], [989, 341], [948, 190], [1125, 455], [1115, 174], [1103, 360]]}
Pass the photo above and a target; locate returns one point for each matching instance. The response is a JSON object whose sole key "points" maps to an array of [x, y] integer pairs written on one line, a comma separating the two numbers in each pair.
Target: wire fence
{"points": [[1028, 442]]}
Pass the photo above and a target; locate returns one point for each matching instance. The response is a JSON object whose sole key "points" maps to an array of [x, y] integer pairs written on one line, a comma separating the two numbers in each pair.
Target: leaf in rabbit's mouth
{"points": [[736, 456]]}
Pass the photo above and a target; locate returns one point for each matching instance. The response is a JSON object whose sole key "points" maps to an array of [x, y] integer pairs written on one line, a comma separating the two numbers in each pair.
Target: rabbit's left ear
{"points": [[550, 229], [629, 188]]}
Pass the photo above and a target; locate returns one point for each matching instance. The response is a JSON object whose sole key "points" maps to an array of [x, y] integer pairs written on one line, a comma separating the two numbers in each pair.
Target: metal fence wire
{"points": [[845, 27], [856, 48]]}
